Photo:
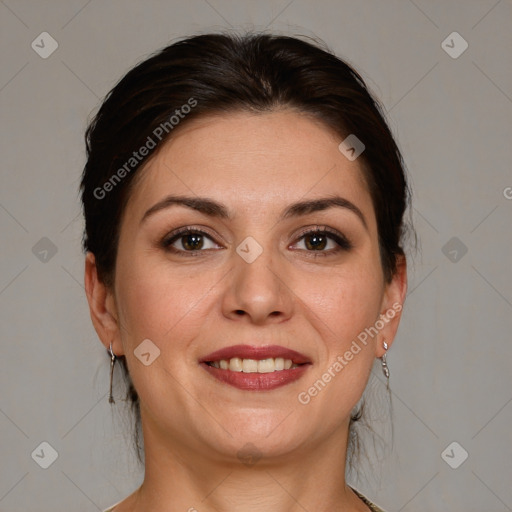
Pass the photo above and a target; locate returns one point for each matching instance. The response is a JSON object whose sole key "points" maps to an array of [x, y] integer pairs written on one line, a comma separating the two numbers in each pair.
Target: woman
{"points": [[244, 202]]}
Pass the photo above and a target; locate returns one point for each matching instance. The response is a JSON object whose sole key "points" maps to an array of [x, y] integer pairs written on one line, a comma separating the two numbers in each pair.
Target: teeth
{"points": [[249, 365], [266, 365], [236, 364]]}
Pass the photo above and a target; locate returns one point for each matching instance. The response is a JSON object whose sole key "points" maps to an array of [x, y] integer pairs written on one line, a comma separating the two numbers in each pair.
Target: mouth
{"points": [[256, 368], [269, 365]]}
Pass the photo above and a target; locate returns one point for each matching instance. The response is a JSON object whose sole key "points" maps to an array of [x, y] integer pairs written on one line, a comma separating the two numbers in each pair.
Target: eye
{"points": [[188, 240], [191, 241], [324, 240]]}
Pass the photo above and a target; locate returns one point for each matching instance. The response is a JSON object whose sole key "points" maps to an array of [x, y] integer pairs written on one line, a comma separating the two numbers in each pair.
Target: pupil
{"points": [[193, 241], [316, 241]]}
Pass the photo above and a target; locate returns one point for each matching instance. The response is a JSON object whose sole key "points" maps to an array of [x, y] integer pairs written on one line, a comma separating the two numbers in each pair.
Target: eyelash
{"points": [[343, 243]]}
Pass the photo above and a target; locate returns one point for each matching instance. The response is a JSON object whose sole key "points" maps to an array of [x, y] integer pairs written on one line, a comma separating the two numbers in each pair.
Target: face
{"points": [[257, 269]]}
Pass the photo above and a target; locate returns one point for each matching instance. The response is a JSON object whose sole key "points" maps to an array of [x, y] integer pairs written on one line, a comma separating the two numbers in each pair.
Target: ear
{"points": [[102, 307], [392, 305]]}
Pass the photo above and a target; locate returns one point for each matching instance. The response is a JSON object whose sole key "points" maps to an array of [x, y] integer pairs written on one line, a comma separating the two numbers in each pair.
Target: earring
{"points": [[385, 369], [112, 363]]}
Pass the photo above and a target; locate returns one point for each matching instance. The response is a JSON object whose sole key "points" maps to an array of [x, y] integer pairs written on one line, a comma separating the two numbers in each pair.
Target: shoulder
{"points": [[112, 508], [373, 507]]}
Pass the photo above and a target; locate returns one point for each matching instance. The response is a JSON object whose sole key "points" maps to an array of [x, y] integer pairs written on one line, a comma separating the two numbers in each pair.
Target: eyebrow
{"points": [[215, 209]]}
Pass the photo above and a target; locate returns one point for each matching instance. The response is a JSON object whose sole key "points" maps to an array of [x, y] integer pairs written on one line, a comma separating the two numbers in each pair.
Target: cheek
{"points": [[349, 305], [345, 302], [155, 303], [166, 308], [343, 306]]}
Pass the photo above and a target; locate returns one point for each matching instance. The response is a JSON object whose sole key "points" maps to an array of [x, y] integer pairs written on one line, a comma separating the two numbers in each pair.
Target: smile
{"points": [[236, 364], [256, 368]]}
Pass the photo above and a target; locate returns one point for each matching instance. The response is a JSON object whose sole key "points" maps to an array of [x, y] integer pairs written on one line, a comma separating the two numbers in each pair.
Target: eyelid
{"points": [[202, 230], [171, 237], [318, 227], [339, 238], [335, 234]]}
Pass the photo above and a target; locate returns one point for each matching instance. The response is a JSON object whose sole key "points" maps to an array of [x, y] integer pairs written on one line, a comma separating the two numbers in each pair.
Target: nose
{"points": [[258, 292]]}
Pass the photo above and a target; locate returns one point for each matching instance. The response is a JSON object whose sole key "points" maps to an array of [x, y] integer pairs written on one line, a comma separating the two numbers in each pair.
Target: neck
{"points": [[178, 479]]}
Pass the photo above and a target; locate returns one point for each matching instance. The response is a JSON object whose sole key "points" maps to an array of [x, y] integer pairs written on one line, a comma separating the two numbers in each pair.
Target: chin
{"points": [[259, 433]]}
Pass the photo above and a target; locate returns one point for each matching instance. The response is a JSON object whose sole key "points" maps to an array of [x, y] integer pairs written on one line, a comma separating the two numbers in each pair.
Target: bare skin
{"points": [[315, 301]]}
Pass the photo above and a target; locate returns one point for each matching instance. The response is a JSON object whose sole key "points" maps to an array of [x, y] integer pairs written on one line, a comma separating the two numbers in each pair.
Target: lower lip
{"points": [[257, 381]]}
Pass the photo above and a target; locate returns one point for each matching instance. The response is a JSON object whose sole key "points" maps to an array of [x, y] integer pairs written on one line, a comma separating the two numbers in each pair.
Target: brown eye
{"points": [[188, 240], [192, 241], [316, 241], [324, 241]]}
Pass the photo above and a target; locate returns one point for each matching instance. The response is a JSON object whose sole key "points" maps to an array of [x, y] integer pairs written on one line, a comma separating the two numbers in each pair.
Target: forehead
{"points": [[252, 161]]}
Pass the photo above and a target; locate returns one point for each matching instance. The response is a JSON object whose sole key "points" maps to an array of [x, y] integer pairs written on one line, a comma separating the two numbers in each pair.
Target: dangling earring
{"points": [[385, 369], [112, 363]]}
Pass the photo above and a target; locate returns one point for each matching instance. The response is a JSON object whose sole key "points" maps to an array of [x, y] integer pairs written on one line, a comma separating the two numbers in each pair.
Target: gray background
{"points": [[451, 362]]}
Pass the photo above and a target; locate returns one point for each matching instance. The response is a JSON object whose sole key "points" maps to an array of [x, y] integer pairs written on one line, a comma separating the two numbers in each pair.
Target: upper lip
{"points": [[254, 352]]}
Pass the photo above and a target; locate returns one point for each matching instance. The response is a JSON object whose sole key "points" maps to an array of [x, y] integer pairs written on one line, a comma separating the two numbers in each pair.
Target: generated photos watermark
{"points": [[341, 361], [151, 142]]}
